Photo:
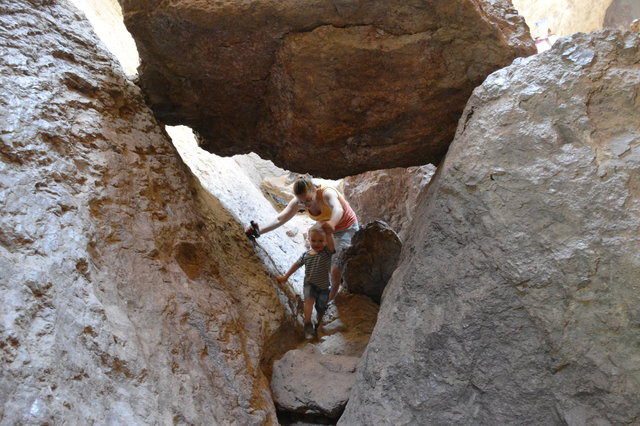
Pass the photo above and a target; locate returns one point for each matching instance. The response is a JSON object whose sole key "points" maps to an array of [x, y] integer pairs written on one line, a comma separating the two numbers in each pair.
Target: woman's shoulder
{"points": [[332, 191]]}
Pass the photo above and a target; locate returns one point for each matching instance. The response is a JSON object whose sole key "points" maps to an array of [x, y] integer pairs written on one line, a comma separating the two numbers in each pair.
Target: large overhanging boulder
{"points": [[516, 298], [333, 88]]}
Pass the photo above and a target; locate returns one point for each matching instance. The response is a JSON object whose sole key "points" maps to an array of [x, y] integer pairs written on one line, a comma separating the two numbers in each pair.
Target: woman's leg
{"points": [[308, 308], [336, 278], [342, 241]]}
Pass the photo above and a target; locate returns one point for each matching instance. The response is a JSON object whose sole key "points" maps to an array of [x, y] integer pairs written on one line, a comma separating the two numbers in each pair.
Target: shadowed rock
{"points": [[516, 298], [371, 259], [330, 88], [621, 13]]}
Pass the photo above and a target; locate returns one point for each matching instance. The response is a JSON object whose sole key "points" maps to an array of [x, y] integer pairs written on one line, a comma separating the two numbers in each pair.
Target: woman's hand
{"points": [[327, 227], [281, 280]]}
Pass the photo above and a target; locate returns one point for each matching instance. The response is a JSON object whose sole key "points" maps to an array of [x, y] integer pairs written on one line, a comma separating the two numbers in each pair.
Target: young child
{"points": [[317, 263]]}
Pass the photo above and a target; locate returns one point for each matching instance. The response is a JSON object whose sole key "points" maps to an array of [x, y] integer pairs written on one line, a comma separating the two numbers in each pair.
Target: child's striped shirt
{"points": [[316, 267]]}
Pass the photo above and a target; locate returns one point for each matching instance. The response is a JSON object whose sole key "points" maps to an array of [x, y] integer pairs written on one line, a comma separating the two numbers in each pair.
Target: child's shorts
{"points": [[342, 240], [320, 295]]}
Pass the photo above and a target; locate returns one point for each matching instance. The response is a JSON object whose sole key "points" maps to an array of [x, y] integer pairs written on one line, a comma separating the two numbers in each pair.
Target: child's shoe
{"points": [[309, 332]]}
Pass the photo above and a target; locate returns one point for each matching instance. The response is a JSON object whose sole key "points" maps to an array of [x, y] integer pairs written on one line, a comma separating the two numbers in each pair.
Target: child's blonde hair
{"points": [[303, 185], [316, 228]]}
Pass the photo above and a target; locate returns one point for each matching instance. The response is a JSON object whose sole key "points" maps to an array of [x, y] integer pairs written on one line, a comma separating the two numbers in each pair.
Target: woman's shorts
{"points": [[342, 240]]}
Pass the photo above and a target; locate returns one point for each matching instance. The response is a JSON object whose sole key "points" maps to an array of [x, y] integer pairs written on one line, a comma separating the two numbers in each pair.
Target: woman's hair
{"points": [[303, 185]]}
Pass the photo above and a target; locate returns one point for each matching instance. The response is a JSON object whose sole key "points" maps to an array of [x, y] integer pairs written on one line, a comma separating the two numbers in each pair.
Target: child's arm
{"points": [[328, 232], [291, 270]]}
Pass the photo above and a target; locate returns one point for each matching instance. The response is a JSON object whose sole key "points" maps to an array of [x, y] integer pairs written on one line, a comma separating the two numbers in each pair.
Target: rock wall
{"points": [[107, 21], [388, 195], [370, 260], [327, 88], [123, 298], [516, 298], [621, 13], [239, 193], [563, 17]]}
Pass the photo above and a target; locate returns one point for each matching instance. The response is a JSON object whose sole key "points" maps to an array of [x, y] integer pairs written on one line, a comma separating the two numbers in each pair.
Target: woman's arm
{"points": [[328, 233], [284, 216], [330, 198]]}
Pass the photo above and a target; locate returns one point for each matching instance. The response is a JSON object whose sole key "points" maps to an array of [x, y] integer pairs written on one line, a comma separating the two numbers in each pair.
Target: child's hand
{"points": [[281, 279]]}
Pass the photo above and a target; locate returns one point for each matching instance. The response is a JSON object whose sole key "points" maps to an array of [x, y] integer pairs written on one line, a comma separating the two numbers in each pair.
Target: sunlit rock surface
{"points": [[107, 21], [123, 284], [563, 17], [239, 193], [329, 88], [516, 298]]}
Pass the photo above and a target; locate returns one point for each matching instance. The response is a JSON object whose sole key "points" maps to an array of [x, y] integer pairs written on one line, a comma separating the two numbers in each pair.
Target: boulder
{"points": [[313, 384], [516, 297], [388, 195], [371, 259], [621, 14], [327, 88], [124, 285], [346, 326]]}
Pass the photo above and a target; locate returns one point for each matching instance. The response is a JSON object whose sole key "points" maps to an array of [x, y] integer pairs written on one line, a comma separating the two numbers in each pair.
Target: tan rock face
{"points": [[516, 297], [563, 17], [330, 88], [388, 195], [123, 284]]}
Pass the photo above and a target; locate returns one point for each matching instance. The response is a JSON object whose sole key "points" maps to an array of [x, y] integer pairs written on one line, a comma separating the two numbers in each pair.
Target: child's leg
{"points": [[322, 299]]}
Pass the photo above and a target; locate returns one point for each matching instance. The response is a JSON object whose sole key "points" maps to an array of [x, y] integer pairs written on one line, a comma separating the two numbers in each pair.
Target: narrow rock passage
{"points": [[310, 390], [311, 379]]}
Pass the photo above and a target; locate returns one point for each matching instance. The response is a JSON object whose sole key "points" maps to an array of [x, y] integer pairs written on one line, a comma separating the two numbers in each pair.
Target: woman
{"points": [[330, 209]]}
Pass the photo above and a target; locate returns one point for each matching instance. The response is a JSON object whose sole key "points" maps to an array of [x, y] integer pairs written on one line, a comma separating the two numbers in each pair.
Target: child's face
{"points": [[317, 241]]}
